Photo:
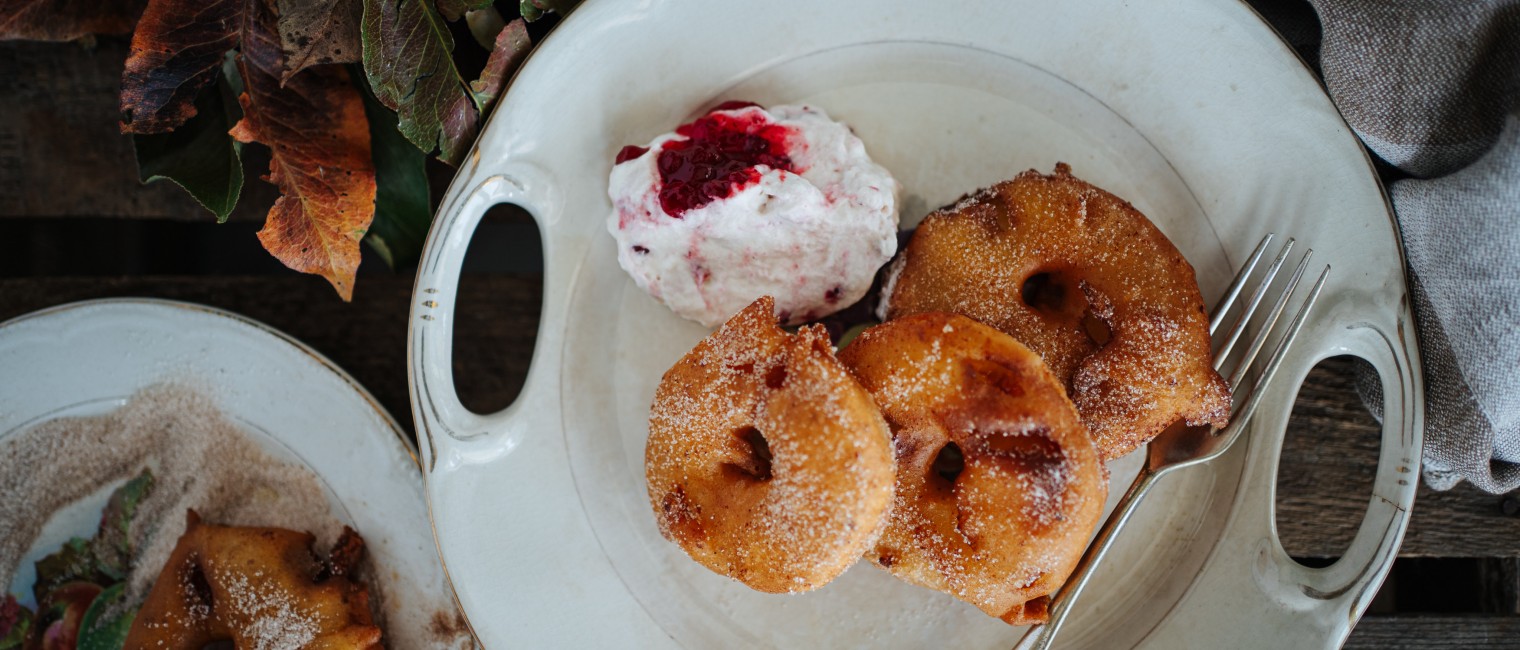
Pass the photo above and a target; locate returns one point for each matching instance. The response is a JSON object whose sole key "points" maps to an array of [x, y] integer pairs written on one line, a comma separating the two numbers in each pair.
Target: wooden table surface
{"points": [[76, 225]]}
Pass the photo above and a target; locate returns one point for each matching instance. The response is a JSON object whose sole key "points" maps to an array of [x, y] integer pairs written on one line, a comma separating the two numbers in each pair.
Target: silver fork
{"points": [[1181, 447]]}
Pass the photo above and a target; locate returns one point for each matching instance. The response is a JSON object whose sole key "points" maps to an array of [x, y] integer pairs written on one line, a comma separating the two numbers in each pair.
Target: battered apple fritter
{"points": [[998, 483], [1086, 281], [766, 462], [258, 588]]}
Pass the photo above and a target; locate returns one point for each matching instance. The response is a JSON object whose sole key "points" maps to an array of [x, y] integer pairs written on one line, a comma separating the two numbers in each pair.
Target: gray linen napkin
{"points": [[1433, 87]]}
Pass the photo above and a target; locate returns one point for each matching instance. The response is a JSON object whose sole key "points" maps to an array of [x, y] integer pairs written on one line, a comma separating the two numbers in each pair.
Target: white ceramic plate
{"points": [[88, 358], [1193, 110]]}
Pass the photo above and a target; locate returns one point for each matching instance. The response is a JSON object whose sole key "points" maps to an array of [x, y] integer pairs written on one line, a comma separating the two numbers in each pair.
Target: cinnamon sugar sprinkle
{"points": [[807, 518], [974, 258]]}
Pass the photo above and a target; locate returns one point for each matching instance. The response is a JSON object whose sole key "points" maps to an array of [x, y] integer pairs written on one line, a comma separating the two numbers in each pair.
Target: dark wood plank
{"points": [[62, 153], [1421, 632], [497, 323], [1329, 460], [1463, 522], [1501, 586]]}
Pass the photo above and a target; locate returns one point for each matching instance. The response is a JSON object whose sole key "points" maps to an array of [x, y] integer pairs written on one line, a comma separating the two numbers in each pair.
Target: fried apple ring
{"points": [[258, 588], [1086, 281], [766, 462], [999, 485]]}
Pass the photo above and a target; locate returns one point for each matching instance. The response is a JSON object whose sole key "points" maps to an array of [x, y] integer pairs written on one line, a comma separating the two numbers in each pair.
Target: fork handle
{"points": [[1039, 637]]}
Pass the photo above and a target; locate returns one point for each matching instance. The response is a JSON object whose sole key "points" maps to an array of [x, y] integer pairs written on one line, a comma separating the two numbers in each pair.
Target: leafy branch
{"points": [[350, 97]]}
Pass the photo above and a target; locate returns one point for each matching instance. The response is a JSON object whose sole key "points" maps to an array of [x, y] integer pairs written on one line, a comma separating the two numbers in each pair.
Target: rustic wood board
{"points": [[62, 153], [1422, 632]]}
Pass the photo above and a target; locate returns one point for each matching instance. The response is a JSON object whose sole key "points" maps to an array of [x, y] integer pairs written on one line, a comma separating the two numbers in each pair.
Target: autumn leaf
{"points": [[198, 156], [320, 155], [511, 48], [313, 123], [176, 52], [66, 20], [407, 57], [316, 32]]}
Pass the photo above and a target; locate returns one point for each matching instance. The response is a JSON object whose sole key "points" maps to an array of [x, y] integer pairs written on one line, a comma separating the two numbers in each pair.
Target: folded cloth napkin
{"points": [[1433, 88]]}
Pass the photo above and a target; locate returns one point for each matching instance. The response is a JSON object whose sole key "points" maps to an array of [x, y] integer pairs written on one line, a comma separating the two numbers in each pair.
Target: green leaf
{"points": [[112, 545], [532, 10], [198, 156], [234, 81], [408, 60], [403, 203], [72, 563], [107, 621], [104, 559]]}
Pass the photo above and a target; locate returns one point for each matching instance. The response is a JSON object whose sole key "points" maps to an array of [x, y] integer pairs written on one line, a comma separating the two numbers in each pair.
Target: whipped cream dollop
{"points": [[744, 202]]}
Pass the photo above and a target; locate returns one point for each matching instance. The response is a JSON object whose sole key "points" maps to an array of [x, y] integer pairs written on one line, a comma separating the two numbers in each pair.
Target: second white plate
{"points": [[88, 358]]}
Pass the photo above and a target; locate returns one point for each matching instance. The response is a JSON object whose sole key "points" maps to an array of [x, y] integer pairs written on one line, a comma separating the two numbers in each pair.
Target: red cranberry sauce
{"points": [[719, 157], [629, 153]]}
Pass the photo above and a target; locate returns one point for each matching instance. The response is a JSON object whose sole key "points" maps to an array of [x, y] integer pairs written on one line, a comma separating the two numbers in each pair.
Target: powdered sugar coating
{"points": [[278, 622], [811, 238], [259, 588], [789, 523], [1093, 258], [1003, 528]]}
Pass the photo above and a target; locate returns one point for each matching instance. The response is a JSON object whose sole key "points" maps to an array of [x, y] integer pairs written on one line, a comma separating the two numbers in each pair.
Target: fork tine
{"points": [[1251, 305], [1239, 283], [1266, 328], [1243, 414]]}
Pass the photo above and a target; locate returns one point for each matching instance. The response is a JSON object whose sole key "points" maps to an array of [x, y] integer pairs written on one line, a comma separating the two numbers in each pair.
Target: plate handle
{"points": [[1348, 585], [445, 428], [1317, 606], [1292, 605]]}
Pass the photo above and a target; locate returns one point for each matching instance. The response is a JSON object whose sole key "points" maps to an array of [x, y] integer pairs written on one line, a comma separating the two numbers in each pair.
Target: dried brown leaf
{"points": [[318, 136], [316, 32], [313, 122], [176, 51]]}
